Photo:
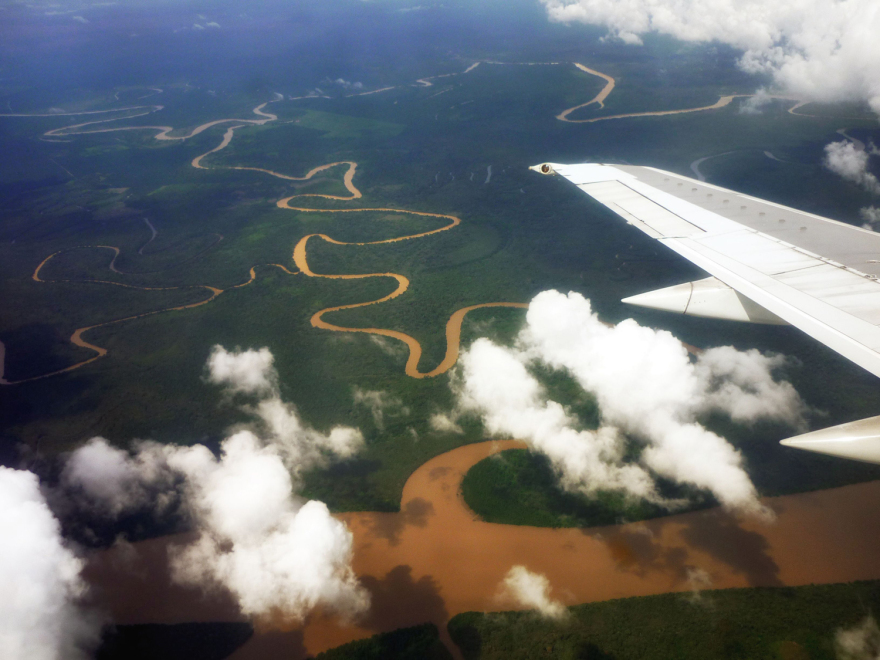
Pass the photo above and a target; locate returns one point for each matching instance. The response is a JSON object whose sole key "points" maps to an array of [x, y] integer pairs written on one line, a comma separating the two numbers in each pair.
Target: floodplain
{"points": [[124, 258]]}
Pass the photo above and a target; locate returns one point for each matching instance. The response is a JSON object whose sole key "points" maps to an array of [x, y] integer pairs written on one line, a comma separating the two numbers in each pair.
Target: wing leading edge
{"points": [[769, 264]]}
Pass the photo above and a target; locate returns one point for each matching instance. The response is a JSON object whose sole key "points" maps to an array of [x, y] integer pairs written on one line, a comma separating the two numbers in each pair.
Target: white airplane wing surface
{"points": [[769, 264]]}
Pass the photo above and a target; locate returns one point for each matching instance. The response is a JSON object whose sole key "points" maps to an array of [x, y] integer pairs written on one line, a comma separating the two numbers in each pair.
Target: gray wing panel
{"points": [[813, 272], [849, 245]]}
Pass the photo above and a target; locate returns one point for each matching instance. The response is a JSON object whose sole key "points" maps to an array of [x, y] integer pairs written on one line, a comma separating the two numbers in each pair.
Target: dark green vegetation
{"points": [[182, 641], [517, 487], [416, 643], [760, 624], [419, 148]]}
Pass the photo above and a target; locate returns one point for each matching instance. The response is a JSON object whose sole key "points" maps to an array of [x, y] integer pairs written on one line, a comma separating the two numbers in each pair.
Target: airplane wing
{"points": [[768, 264]]}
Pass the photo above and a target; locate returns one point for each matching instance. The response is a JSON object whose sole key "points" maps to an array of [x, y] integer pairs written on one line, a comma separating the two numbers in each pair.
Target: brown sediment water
{"points": [[435, 558], [163, 132], [453, 327], [599, 99], [454, 324], [227, 138], [720, 103], [77, 337], [347, 181]]}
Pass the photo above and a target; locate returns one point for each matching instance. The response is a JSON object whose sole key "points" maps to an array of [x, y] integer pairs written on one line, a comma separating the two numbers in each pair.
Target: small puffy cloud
{"points": [[243, 372], [861, 642], [109, 481], [80, 19], [496, 383], [393, 348], [40, 618], [532, 591], [379, 404], [741, 383], [253, 372], [850, 162], [302, 446], [278, 556], [647, 388], [814, 49], [698, 580], [196, 26], [754, 105], [345, 84], [213, 24], [444, 423], [115, 480], [870, 214]]}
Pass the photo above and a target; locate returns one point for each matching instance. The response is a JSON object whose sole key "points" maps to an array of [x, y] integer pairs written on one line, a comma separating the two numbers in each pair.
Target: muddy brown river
{"points": [[435, 559]]}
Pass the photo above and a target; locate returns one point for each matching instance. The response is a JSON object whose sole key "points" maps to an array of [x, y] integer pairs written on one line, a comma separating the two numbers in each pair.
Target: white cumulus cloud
{"points": [[646, 386], [278, 555], [871, 215], [814, 49], [110, 481], [301, 446], [40, 618], [851, 162], [245, 372], [379, 404], [445, 423], [741, 383], [532, 591], [497, 384], [252, 372], [345, 84]]}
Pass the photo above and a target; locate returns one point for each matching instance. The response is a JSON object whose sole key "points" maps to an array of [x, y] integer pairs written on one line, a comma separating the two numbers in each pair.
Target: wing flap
{"points": [[639, 210]]}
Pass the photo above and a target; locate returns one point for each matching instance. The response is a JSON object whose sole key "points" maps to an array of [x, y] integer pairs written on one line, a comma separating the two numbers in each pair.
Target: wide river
{"points": [[435, 559]]}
